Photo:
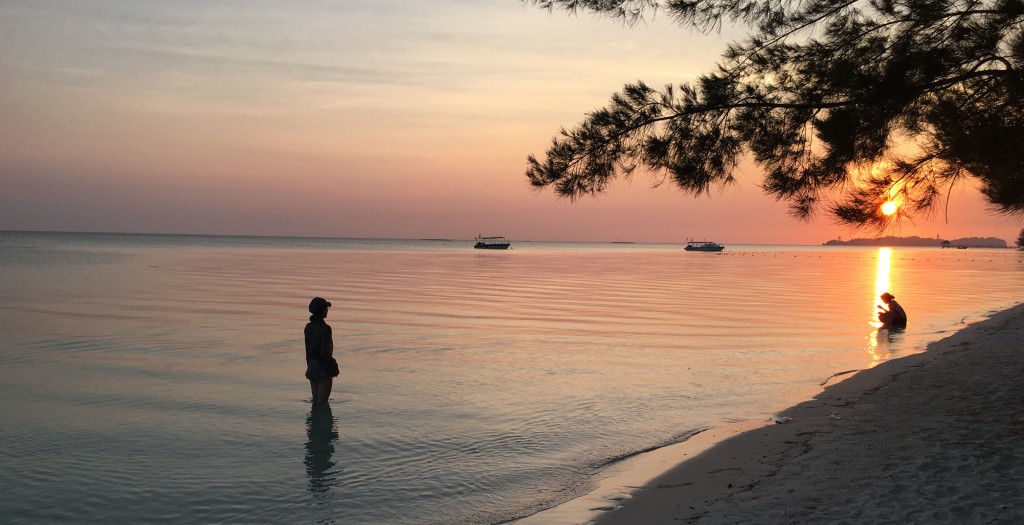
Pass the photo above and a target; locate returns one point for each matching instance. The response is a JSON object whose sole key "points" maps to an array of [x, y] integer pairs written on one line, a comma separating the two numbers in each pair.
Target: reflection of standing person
{"points": [[321, 368], [895, 316], [322, 430]]}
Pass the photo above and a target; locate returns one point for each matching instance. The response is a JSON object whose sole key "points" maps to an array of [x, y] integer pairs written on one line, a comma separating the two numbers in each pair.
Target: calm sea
{"points": [[149, 379]]}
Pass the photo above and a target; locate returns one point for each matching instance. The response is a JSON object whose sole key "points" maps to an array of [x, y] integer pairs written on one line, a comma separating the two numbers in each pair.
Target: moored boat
{"points": [[491, 243], [703, 246]]}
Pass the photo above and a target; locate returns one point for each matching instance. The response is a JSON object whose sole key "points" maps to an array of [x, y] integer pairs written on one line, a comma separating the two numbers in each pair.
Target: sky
{"points": [[352, 118]]}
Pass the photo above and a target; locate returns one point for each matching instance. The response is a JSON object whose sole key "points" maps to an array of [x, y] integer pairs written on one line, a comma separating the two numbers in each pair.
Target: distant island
{"points": [[969, 242]]}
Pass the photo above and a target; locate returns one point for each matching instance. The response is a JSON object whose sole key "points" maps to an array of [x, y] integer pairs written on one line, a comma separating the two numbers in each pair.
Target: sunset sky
{"points": [[350, 118]]}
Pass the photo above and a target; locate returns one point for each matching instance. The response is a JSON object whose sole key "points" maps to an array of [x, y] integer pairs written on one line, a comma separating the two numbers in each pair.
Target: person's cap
{"points": [[318, 304], [885, 297]]}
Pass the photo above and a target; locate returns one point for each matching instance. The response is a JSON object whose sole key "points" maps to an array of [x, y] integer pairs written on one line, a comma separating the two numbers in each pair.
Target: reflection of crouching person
{"points": [[895, 316], [321, 368]]}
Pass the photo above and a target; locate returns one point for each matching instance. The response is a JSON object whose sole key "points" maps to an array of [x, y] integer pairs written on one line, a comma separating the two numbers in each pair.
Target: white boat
{"points": [[491, 243], [703, 246]]}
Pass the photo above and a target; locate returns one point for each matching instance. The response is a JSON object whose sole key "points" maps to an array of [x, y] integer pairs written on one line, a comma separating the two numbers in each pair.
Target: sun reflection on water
{"points": [[881, 286], [881, 279]]}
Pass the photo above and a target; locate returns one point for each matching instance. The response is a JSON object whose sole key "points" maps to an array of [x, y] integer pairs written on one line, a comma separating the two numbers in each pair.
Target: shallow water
{"points": [[159, 378]]}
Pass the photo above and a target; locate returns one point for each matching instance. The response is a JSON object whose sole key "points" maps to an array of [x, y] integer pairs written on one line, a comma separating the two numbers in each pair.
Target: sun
{"points": [[889, 208]]}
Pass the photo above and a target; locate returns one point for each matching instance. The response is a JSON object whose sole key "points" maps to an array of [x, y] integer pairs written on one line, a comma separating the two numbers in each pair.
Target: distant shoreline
{"points": [[965, 242]]}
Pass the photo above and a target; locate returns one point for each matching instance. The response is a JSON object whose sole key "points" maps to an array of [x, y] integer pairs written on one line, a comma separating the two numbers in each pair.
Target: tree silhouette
{"points": [[845, 104], [1020, 239]]}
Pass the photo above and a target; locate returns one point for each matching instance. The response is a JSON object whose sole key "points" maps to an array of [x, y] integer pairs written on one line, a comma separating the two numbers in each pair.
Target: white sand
{"points": [[936, 437]]}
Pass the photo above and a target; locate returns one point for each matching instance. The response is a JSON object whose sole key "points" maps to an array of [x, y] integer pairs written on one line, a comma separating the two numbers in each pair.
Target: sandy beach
{"points": [[936, 437]]}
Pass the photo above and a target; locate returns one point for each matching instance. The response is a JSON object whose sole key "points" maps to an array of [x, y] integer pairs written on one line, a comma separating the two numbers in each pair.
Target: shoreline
{"points": [[936, 436]]}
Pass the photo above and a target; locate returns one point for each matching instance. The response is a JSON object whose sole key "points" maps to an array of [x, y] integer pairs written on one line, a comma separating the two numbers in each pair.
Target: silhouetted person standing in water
{"points": [[321, 368], [895, 316]]}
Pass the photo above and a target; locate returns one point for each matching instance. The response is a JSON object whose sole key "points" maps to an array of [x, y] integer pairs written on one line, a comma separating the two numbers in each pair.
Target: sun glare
{"points": [[881, 286], [889, 208]]}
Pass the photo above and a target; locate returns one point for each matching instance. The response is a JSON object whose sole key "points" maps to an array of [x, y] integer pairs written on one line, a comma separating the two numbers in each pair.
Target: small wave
{"points": [[675, 440], [837, 374]]}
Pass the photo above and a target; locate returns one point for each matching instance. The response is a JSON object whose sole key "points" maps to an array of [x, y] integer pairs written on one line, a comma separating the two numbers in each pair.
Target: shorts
{"points": [[316, 372]]}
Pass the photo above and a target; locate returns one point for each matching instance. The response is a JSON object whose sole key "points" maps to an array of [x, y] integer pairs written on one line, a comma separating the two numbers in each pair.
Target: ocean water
{"points": [[159, 378]]}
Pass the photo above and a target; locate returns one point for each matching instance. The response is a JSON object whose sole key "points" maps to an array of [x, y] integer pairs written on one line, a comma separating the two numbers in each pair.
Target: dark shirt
{"points": [[899, 316], [319, 342]]}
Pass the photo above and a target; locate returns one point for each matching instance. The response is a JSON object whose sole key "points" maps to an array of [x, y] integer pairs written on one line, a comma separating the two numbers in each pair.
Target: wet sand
{"points": [[936, 437]]}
